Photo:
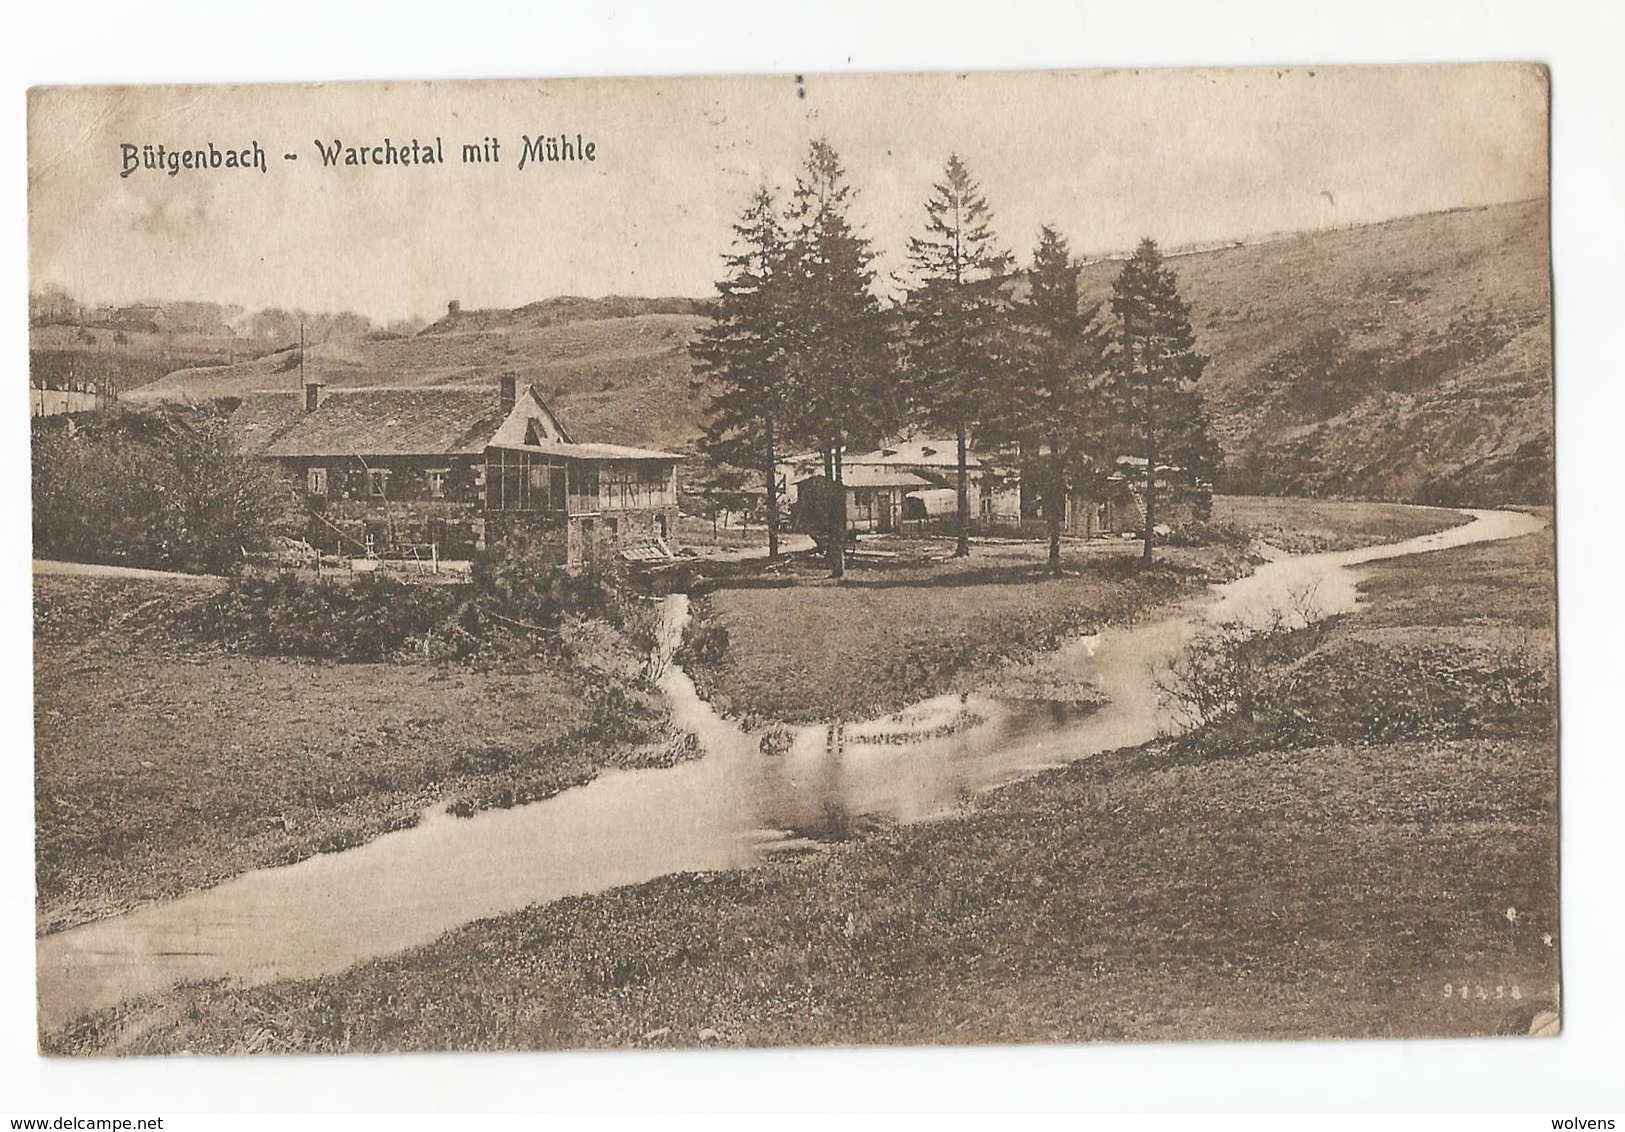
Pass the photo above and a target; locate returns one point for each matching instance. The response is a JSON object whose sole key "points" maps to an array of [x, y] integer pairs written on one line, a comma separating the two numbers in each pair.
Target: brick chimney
{"points": [[509, 393]]}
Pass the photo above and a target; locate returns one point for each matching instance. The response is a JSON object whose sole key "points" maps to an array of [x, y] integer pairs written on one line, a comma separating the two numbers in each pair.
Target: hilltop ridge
{"points": [[1408, 360]]}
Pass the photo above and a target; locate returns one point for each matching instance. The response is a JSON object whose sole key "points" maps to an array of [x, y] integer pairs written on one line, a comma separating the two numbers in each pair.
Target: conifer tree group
{"points": [[955, 319], [802, 352]]}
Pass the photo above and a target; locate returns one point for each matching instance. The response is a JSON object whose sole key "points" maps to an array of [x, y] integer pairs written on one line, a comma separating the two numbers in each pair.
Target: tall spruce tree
{"points": [[1156, 373], [742, 354], [954, 318], [1056, 404], [837, 349]]}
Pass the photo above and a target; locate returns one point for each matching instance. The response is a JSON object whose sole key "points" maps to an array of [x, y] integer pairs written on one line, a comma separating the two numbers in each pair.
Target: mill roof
{"points": [[394, 422], [592, 451], [411, 422]]}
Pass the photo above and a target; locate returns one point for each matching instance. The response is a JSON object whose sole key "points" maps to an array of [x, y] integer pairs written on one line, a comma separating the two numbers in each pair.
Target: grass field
{"points": [[1310, 526], [126, 359], [163, 765], [804, 648], [815, 649], [1183, 889]]}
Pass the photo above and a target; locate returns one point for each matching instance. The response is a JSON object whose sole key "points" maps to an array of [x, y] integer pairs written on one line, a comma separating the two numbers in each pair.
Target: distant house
{"points": [[1181, 497], [914, 470], [874, 498], [994, 492], [917, 480], [401, 471], [147, 318]]}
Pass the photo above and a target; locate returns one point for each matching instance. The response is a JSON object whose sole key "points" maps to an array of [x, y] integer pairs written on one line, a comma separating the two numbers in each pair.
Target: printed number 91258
{"points": [[1468, 991]]}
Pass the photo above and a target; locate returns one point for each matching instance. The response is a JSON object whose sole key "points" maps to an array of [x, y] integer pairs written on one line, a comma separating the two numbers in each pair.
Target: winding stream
{"points": [[730, 808]]}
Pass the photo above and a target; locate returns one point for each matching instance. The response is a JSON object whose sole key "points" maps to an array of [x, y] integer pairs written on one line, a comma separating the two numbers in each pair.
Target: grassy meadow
{"points": [[163, 764], [1313, 526], [802, 648], [1326, 879]]}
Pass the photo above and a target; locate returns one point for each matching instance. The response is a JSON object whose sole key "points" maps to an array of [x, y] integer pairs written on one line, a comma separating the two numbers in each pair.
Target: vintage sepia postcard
{"points": [[793, 560]]}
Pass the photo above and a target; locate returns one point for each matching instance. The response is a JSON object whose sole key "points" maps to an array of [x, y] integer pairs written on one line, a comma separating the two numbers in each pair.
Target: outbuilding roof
{"points": [[924, 453], [869, 476]]}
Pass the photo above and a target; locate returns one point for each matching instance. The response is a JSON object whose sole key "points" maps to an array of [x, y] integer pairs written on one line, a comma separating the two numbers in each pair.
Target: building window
{"points": [[378, 481], [437, 483], [316, 481]]}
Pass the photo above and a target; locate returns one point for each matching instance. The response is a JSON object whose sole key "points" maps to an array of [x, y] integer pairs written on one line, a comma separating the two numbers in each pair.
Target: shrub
{"points": [[163, 489], [1209, 532], [1233, 670], [1359, 692], [517, 583], [367, 619], [705, 644], [518, 603], [1291, 684]]}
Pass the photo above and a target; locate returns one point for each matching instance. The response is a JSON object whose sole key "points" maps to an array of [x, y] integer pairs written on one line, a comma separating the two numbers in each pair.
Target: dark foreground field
{"points": [[1341, 864], [163, 764]]}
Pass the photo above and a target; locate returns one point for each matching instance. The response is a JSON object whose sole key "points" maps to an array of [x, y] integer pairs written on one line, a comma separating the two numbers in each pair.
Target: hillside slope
{"points": [[1409, 360], [123, 359], [623, 380]]}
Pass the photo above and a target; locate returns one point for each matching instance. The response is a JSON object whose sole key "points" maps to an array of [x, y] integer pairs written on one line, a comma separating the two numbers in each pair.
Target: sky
{"points": [[1183, 156]]}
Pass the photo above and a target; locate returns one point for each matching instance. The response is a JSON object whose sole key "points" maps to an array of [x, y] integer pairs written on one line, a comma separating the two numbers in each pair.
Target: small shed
{"points": [[874, 498]]}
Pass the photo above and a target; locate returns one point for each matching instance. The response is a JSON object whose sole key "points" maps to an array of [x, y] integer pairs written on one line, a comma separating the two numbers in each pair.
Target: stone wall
{"points": [[407, 515], [549, 533]]}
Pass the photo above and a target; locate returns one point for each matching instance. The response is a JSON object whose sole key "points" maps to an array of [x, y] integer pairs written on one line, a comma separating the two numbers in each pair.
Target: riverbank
{"points": [[908, 622], [1338, 877], [163, 764]]}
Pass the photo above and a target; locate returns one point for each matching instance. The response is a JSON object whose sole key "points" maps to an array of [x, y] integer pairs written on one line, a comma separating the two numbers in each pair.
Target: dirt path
{"points": [[52, 566]]}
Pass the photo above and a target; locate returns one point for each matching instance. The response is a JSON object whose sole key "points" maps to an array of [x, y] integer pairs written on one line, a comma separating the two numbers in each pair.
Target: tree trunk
{"points": [[1055, 508], [962, 547], [840, 516], [834, 515], [1150, 471], [829, 506], [772, 499]]}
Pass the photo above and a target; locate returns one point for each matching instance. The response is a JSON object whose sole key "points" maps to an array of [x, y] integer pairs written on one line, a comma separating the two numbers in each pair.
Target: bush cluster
{"points": [[373, 617], [1363, 693], [163, 489], [517, 587], [517, 604], [1289, 686], [704, 645]]}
